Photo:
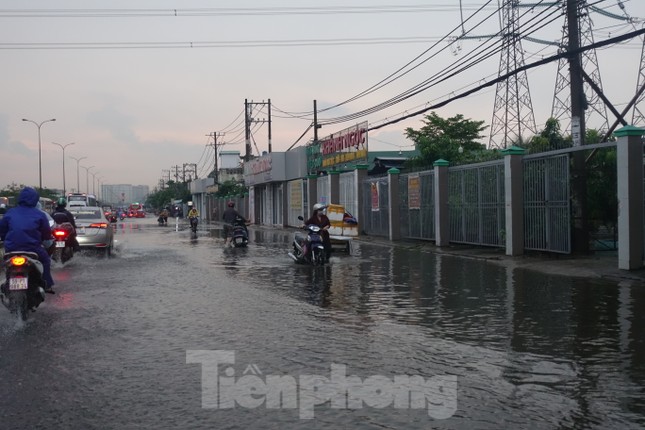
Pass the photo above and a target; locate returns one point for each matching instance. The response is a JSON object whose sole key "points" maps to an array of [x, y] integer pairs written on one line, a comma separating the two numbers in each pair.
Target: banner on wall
{"points": [[414, 191], [339, 150], [375, 197], [295, 196]]}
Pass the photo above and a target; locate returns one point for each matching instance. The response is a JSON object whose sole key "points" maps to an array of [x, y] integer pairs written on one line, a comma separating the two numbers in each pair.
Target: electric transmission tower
{"points": [[638, 118], [561, 108], [513, 110]]}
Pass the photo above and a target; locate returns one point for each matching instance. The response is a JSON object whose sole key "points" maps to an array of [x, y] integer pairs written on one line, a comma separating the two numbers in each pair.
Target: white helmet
{"points": [[190, 204], [319, 207], [2, 206]]}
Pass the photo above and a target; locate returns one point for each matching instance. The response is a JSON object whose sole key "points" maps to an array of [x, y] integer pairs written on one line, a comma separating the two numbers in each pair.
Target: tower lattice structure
{"points": [[638, 118], [513, 110], [595, 107]]}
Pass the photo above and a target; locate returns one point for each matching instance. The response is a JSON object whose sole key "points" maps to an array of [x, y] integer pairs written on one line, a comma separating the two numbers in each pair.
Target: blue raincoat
{"points": [[25, 228]]}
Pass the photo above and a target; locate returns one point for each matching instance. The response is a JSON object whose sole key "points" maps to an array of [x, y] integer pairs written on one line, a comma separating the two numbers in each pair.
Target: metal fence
{"points": [[417, 205], [347, 191], [376, 219], [547, 220], [476, 204]]}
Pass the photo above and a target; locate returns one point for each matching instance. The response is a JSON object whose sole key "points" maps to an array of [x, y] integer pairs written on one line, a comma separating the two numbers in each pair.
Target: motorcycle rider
{"points": [[192, 212], [163, 216], [25, 228], [321, 220], [62, 215], [229, 216]]}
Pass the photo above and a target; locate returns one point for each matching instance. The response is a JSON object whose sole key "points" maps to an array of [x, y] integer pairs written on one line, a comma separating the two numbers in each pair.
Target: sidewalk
{"points": [[599, 265]]}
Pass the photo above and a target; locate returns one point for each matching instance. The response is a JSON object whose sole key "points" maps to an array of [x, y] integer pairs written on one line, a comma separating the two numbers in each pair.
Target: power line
{"points": [[542, 62]]}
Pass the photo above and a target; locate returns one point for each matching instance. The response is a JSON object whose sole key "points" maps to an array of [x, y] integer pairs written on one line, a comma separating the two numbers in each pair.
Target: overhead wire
{"points": [[505, 76], [451, 71]]}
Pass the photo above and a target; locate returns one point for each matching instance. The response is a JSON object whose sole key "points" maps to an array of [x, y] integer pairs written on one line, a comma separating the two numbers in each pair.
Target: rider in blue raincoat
{"points": [[25, 228]]}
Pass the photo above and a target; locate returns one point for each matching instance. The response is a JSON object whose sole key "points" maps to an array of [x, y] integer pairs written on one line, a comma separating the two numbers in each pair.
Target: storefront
{"points": [[268, 180]]}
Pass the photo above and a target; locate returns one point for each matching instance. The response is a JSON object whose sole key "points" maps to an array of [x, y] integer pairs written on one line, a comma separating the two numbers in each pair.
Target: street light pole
{"points": [[40, 162], [63, 148], [87, 178], [78, 182], [93, 183]]}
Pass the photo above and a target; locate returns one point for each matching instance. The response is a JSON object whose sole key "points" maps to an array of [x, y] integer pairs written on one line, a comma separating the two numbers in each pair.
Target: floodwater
{"points": [[180, 332]]}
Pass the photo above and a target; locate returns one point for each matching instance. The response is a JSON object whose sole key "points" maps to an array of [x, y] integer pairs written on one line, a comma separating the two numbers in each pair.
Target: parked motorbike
{"points": [[193, 224], [24, 287], [63, 249], [308, 247], [240, 233]]}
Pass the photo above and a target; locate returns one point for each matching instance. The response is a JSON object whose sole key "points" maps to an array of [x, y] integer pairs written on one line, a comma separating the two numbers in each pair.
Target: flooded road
{"points": [[175, 332]]}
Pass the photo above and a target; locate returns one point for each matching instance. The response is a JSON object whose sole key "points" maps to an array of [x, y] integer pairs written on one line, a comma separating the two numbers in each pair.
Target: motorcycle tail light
{"points": [[60, 233], [18, 261]]}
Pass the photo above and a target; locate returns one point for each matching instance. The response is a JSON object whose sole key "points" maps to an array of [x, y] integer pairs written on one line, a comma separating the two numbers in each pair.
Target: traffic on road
{"points": [[176, 330]]}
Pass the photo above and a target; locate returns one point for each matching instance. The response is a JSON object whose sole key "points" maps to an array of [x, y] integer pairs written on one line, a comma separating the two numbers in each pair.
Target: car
{"points": [[93, 231]]}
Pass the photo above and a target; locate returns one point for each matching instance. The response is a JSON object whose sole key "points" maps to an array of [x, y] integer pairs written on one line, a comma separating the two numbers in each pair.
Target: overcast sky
{"points": [[137, 85]]}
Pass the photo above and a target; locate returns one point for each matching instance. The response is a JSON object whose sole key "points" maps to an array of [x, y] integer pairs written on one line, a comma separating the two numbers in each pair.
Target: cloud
{"points": [[118, 125]]}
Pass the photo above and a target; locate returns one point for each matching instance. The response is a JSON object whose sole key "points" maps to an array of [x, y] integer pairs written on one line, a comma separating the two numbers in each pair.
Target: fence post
{"points": [[360, 175], [334, 187], [441, 220], [629, 163], [514, 200], [312, 193], [394, 203]]}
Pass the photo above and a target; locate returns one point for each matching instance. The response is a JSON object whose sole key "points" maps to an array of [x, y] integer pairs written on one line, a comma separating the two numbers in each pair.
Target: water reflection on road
{"points": [[529, 350]]}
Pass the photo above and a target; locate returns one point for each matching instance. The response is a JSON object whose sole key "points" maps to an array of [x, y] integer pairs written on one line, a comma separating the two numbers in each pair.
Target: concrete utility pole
{"points": [[247, 131], [252, 120], [579, 182], [216, 145]]}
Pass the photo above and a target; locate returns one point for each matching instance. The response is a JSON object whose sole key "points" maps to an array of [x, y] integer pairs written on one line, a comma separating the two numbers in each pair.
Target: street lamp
{"points": [[87, 178], [78, 182], [40, 164], [93, 183], [63, 148]]}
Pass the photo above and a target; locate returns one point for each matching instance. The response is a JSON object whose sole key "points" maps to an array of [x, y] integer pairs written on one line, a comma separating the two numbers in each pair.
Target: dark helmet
{"points": [[62, 202], [231, 204]]}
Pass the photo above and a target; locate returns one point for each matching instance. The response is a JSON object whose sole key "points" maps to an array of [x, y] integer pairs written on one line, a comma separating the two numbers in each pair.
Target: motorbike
{"points": [[122, 216], [63, 249], [24, 287], [193, 224], [240, 233], [308, 248], [162, 220]]}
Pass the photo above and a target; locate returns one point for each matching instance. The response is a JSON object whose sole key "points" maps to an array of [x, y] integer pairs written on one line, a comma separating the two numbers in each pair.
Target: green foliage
{"points": [[231, 188], [174, 191], [453, 139], [13, 189], [602, 178]]}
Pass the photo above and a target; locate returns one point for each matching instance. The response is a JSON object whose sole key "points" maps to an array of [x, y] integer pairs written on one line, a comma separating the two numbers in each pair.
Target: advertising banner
{"points": [[339, 151]]}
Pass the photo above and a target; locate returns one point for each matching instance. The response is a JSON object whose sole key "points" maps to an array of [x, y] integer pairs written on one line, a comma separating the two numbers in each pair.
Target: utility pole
{"points": [[270, 126], [216, 145], [252, 120], [316, 126], [579, 181], [247, 131]]}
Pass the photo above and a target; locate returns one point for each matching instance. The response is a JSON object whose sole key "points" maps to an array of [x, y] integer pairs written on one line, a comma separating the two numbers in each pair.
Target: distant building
{"points": [[122, 194]]}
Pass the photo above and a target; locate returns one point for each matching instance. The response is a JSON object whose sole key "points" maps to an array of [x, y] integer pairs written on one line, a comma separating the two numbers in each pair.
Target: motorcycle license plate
{"points": [[16, 284], [60, 244]]}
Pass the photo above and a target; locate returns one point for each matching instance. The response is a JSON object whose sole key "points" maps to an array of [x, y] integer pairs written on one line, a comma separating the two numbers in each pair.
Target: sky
{"points": [[137, 86]]}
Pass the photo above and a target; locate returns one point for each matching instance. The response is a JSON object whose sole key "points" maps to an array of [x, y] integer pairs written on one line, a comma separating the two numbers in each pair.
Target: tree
{"points": [[231, 188], [453, 139]]}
